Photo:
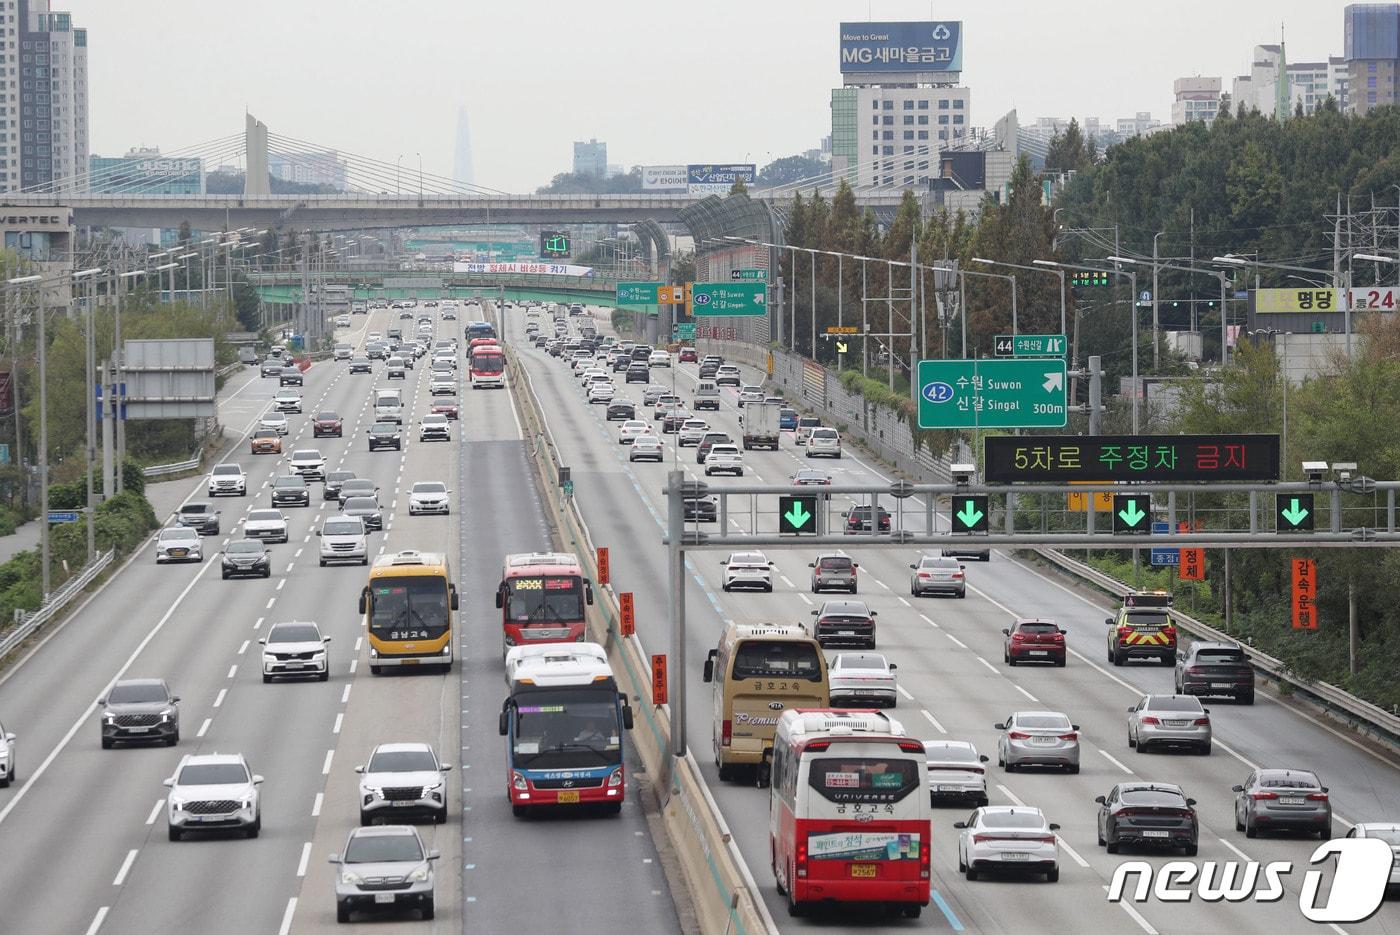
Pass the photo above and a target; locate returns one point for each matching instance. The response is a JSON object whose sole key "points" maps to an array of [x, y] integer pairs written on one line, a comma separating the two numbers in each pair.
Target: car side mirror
{"points": [[364, 593], [709, 671], [359, 769], [500, 597], [168, 782], [434, 855], [915, 567], [1324, 788], [588, 594], [102, 701], [1054, 827], [1074, 727], [982, 758], [1132, 709], [325, 639], [855, 564], [445, 767], [959, 824], [893, 666], [453, 592], [724, 561], [814, 613], [1108, 621], [814, 565], [1005, 631], [627, 720], [1190, 801], [174, 699], [333, 859], [1237, 788], [318, 532], [999, 726], [1100, 799], [262, 641], [257, 780]]}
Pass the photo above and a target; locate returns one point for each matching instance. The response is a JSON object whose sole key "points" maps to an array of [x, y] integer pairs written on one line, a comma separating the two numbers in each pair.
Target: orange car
{"points": [[266, 442]]}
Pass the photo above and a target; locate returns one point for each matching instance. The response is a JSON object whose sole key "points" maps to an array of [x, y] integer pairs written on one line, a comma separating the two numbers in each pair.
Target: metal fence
{"points": [[27, 623]]}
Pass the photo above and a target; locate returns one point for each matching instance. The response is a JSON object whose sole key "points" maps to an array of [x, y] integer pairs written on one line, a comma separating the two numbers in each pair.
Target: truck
{"points": [[760, 422]]}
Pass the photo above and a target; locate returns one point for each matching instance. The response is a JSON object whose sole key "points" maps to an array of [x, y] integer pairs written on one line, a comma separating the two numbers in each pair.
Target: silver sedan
{"points": [[1038, 738], [1169, 721], [1282, 799]]}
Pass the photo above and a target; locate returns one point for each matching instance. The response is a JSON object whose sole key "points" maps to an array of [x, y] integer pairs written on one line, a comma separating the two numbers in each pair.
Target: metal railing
{"points": [[178, 467], [1360, 714], [27, 622]]}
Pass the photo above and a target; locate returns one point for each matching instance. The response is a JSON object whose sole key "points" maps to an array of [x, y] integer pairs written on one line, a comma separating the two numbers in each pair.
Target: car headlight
{"points": [[350, 877], [419, 875], [372, 791], [106, 719], [249, 801], [176, 805]]}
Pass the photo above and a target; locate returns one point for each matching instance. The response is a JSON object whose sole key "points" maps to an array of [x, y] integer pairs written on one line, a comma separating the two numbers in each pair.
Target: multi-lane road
{"points": [[954, 685], [83, 830]]}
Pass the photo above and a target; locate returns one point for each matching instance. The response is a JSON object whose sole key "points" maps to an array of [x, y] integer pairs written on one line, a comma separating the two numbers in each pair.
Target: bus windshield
{"points": [[550, 599], [765, 659], [863, 779], [574, 728], [413, 607], [488, 363]]}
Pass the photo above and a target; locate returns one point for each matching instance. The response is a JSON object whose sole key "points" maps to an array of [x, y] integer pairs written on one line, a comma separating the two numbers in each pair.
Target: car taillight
{"points": [[1201, 722], [1169, 630], [802, 858], [911, 746], [726, 732], [1124, 631], [1193, 670], [977, 769], [1149, 719], [957, 575], [1046, 839], [1017, 735], [924, 574], [1317, 796], [1018, 637], [1072, 735], [924, 858], [1260, 796]]}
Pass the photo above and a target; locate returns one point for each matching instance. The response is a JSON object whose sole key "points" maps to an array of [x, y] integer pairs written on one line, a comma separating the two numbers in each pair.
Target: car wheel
{"points": [[365, 560], [174, 833], [1099, 834], [1052, 875], [1191, 849], [440, 818], [1325, 832], [1132, 742], [1249, 830], [323, 563], [1112, 846], [1239, 825], [173, 739], [225, 575], [1247, 698], [375, 670], [969, 872], [254, 828], [267, 679], [365, 819], [267, 573], [1060, 663], [1073, 768], [325, 676], [853, 589], [1010, 659], [1205, 750], [428, 908], [106, 745]]}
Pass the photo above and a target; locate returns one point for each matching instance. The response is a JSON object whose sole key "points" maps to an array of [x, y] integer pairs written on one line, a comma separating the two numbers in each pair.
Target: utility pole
{"points": [[90, 392], [43, 444], [1095, 364]]}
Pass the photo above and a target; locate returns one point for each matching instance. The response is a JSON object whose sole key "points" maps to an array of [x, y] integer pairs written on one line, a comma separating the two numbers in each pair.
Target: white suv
{"points": [[295, 649], [212, 792], [824, 441], [726, 458], [228, 479], [403, 780]]}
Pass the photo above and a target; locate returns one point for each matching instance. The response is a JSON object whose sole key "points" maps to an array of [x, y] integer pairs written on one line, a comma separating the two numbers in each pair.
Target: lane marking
{"points": [[244, 648], [155, 811], [953, 922], [1136, 917], [287, 917], [97, 922], [1074, 855], [1238, 853], [955, 639], [1015, 800], [932, 720], [233, 670], [988, 665], [901, 689], [1026, 693], [219, 698], [316, 804], [345, 695], [339, 719], [925, 619], [326, 766], [125, 867], [805, 599], [305, 859], [204, 728], [1108, 756]]}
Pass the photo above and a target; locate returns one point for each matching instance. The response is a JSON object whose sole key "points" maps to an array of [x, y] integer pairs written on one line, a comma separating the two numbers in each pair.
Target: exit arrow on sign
{"points": [[1132, 514], [969, 515], [797, 516], [1295, 514]]}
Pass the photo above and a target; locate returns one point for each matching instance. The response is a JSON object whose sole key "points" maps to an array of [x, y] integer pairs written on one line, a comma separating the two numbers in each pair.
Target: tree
{"points": [[738, 188], [571, 183], [789, 170], [1067, 152]]}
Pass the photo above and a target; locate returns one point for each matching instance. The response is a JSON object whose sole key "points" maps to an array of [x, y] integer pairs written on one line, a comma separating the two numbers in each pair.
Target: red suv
{"points": [[1032, 639], [327, 423], [688, 355]]}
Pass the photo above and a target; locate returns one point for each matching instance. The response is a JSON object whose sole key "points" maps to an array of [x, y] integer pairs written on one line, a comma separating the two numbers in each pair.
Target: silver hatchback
{"points": [[1169, 721], [1038, 738], [834, 570]]}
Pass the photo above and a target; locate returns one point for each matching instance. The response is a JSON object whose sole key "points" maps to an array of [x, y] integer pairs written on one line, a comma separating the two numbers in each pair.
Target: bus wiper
{"points": [[563, 747]]}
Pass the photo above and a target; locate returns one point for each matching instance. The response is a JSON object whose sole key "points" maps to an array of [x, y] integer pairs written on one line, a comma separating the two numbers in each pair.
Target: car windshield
{"points": [[1153, 798], [859, 661], [194, 509], [357, 485], [327, 417], [1289, 781], [137, 693], [341, 528], [429, 487], [1012, 820], [263, 516], [245, 548], [1148, 618], [1220, 657], [950, 752], [1390, 836], [293, 633], [360, 504], [401, 761], [761, 659], [1043, 721], [416, 605], [213, 774], [264, 433], [748, 558], [382, 848], [939, 562], [863, 779], [339, 476], [177, 533], [228, 469], [1038, 628], [289, 482], [1183, 703], [384, 428], [306, 456]]}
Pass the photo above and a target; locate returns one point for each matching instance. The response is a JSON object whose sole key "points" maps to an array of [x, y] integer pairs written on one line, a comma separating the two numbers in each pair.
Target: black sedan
{"points": [[1147, 814], [247, 558], [702, 510], [621, 410], [290, 376], [290, 490]]}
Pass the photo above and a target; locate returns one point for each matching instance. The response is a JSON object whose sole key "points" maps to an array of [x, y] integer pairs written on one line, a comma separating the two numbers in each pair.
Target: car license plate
{"points": [[568, 798], [404, 803], [1220, 685], [137, 730], [1156, 834], [863, 871], [178, 553], [950, 788], [1015, 855], [846, 633], [1173, 723], [291, 665], [1038, 652], [384, 898], [1046, 741], [1291, 800]]}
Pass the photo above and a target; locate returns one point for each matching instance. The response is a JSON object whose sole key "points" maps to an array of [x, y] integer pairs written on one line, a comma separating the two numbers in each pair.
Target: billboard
{"points": [[901, 47], [663, 178], [713, 179], [170, 379], [516, 269]]}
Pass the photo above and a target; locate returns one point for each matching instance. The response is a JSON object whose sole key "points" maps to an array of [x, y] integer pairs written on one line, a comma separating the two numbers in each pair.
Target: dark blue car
{"points": [[787, 419]]}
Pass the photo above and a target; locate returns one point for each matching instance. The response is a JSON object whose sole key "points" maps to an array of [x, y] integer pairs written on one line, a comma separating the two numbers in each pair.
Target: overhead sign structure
{"points": [[747, 274], [1008, 394], [555, 245], [969, 513], [530, 269], [728, 299], [1304, 594], [1030, 345], [1131, 512], [842, 347], [1193, 565], [901, 47], [712, 179], [169, 379], [797, 515], [842, 329], [1293, 512], [637, 293], [670, 295], [1008, 459], [663, 178], [684, 331], [1090, 278]]}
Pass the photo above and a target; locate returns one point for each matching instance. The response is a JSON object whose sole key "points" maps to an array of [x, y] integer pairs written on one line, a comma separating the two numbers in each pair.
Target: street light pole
{"points": [[1156, 353], [90, 390]]}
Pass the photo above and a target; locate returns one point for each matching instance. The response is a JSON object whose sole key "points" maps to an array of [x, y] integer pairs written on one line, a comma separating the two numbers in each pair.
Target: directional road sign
{"points": [[1131, 512], [64, 516], [1294, 512], [969, 514], [744, 274], [797, 515], [842, 347], [732, 299], [637, 293], [1163, 556], [684, 331], [1030, 345], [1003, 394]]}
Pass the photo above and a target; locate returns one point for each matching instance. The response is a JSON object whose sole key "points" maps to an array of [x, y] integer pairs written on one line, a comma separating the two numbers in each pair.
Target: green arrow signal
{"points": [[1131, 514], [969, 515], [797, 516], [1295, 514]]}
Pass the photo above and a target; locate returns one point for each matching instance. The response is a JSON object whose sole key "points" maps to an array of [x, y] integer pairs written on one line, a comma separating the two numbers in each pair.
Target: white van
{"points": [[388, 406]]}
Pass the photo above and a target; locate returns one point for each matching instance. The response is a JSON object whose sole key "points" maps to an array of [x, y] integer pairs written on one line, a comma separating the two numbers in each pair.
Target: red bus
{"points": [[542, 597], [849, 811], [487, 364]]}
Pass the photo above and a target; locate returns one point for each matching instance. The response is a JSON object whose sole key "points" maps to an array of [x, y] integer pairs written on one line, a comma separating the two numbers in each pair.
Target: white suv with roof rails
{"points": [[228, 479], [213, 792]]}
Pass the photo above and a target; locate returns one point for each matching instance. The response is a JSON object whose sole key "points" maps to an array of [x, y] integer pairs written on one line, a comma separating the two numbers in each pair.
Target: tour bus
{"points": [[542, 596], [481, 329], [563, 724], [848, 811], [407, 608], [759, 671], [487, 367]]}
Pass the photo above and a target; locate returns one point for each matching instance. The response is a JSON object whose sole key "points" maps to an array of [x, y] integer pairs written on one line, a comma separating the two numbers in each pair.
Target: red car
{"points": [[447, 408], [1032, 639], [688, 355], [326, 424]]}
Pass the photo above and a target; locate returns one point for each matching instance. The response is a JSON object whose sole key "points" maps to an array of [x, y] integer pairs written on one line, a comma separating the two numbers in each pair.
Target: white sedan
{"points": [[747, 570], [956, 771], [631, 430], [644, 447], [692, 430], [274, 420], [601, 393], [1008, 838], [428, 496], [659, 359], [724, 458], [179, 544], [859, 679]]}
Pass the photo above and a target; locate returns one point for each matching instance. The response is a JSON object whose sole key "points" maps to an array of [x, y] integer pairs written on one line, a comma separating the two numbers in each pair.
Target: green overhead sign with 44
{"points": [[1001, 394]]}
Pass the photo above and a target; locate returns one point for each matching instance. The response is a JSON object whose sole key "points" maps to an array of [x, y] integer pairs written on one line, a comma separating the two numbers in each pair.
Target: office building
{"points": [[1196, 100], [146, 172], [1371, 33], [43, 95], [316, 168], [591, 158]]}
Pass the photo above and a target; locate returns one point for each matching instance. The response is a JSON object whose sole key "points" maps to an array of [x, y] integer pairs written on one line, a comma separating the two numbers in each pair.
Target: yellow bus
{"points": [[407, 608], [758, 672]]}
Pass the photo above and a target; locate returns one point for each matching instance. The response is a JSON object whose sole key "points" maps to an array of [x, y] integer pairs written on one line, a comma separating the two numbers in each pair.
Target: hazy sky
{"points": [[660, 82]]}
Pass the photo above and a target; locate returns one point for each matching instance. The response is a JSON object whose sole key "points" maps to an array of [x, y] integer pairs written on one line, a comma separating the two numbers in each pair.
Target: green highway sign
{"points": [[637, 293], [1132, 512], [1002, 394], [720, 299], [741, 274], [797, 515], [1294, 512], [1030, 345], [684, 331], [969, 514]]}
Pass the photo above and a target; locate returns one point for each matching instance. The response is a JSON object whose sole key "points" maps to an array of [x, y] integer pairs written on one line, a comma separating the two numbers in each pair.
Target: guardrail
{"points": [[26, 623], [724, 892], [225, 371], [178, 467], [1361, 715]]}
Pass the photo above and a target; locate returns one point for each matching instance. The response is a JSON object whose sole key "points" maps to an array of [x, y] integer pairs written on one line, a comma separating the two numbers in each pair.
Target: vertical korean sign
{"points": [[1192, 566], [1304, 594]]}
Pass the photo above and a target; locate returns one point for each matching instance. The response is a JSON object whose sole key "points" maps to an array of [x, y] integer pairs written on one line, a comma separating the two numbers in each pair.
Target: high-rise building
{"points": [[43, 95], [1372, 51], [591, 158], [320, 168], [462, 169], [1197, 100]]}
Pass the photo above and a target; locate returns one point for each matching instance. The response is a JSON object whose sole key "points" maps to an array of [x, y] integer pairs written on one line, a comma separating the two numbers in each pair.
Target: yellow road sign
{"points": [[1079, 502], [841, 347]]}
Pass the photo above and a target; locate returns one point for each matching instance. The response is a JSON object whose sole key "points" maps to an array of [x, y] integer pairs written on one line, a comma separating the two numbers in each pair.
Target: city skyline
{"points": [[1056, 64]]}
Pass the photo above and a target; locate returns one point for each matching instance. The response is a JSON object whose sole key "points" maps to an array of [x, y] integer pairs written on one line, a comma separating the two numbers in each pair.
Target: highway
{"points": [[954, 685], [84, 829]]}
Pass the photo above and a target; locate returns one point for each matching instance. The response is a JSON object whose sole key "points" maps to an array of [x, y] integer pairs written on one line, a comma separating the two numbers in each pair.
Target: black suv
{"points": [[849, 623], [1211, 668], [290, 490], [621, 410], [140, 709], [200, 516], [330, 488], [858, 520], [638, 373], [384, 435]]}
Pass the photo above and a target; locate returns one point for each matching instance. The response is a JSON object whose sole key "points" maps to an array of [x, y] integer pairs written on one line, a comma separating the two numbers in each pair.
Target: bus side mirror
{"points": [[504, 723], [709, 675], [501, 596], [626, 714], [452, 589], [588, 594], [364, 600]]}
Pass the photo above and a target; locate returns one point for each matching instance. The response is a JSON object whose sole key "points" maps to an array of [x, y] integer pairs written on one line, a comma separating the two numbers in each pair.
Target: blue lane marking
{"points": [[946, 910]]}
